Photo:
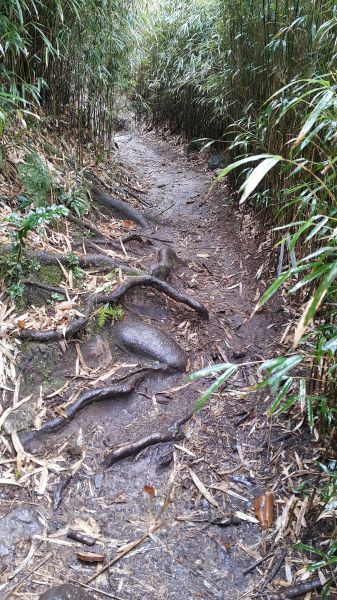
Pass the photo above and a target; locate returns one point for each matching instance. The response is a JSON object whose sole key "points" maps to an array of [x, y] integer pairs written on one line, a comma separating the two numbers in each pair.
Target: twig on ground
{"points": [[126, 551], [94, 589], [31, 572], [274, 570], [257, 563], [299, 589]]}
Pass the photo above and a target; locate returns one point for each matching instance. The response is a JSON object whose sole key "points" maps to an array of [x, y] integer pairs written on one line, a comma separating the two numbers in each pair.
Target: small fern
{"points": [[35, 179], [77, 200], [109, 312]]}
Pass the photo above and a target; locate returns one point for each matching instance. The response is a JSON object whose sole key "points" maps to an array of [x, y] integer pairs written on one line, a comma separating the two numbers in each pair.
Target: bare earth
{"points": [[157, 497]]}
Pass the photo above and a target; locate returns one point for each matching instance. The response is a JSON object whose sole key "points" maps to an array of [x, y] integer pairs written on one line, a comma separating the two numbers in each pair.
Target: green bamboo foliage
{"points": [[71, 55], [258, 79]]}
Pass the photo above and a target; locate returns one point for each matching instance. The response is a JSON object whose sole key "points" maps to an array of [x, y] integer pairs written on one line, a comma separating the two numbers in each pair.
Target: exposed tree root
{"points": [[44, 286], [95, 180], [84, 261], [80, 322], [83, 224], [173, 433], [136, 237], [117, 243], [300, 589], [118, 206], [161, 286], [166, 259], [123, 387]]}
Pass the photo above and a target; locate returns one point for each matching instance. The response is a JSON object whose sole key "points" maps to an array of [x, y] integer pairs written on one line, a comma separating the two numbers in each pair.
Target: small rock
{"points": [[21, 418], [217, 161], [96, 350], [98, 480], [145, 340], [120, 498], [67, 591], [17, 526]]}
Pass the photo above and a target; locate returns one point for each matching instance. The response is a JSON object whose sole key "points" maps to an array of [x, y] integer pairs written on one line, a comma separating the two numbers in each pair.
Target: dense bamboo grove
{"points": [[69, 55], [255, 80], [260, 79]]}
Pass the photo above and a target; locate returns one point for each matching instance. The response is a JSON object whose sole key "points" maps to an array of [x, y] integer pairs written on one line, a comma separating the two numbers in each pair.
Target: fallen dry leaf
{"points": [[149, 489], [21, 323], [120, 498], [264, 509], [91, 557], [66, 305], [128, 224]]}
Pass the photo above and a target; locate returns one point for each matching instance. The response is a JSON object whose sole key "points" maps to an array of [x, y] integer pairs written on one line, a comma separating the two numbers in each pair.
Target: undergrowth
{"points": [[238, 79], [235, 76]]}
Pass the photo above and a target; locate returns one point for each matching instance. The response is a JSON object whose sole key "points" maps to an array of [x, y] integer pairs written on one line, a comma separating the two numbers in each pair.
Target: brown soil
{"points": [[187, 556]]}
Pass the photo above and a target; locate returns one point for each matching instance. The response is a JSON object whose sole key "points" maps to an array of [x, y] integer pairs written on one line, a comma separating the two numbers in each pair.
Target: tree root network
{"points": [[122, 387]]}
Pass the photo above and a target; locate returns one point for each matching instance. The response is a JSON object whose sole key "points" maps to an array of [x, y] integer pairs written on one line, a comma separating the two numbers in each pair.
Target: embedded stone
{"points": [[144, 340], [67, 591], [19, 525], [96, 351]]}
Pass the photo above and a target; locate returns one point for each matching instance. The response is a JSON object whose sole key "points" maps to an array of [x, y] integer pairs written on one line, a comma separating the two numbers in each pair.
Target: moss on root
{"points": [[50, 274]]}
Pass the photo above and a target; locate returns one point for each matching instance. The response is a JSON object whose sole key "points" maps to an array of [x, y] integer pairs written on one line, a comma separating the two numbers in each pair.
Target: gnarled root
{"points": [[80, 322], [119, 206], [173, 433], [166, 259], [123, 387], [83, 224], [299, 589], [116, 243], [43, 286], [161, 286]]}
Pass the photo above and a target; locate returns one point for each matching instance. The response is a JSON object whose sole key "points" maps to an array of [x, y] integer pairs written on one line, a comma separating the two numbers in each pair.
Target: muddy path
{"points": [[155, 496]]}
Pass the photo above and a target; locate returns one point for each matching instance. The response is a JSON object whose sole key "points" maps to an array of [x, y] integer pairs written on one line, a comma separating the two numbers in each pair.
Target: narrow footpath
{"points": [[175, 520]]}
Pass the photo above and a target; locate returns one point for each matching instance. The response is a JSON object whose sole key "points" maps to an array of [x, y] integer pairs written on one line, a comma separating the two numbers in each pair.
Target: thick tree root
{"points": [[84, 261], [173, 433], [118, 206], [123, 387], [117, 243], [133, 282], [161, 286], [83, 224], [166, 259]]}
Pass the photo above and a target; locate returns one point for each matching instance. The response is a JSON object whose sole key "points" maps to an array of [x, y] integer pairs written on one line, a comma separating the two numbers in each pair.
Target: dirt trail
{"points": [[187, 556]]}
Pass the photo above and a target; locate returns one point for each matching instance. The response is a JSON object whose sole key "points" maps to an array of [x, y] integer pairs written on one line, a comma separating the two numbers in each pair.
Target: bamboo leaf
{"points": [[213, 388], [272, 289], [302, 393], [235, 165], [257, 175], [319, 108], [314, 304], [208, 371], [331, 345], [281, 394]]}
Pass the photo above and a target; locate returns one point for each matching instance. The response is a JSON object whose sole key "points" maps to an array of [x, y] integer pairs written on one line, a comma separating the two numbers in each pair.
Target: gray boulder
{"points": [[144, 340]]}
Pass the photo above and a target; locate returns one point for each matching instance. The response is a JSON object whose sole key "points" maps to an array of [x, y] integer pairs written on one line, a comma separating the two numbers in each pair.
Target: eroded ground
{"points": [[156, 497]]}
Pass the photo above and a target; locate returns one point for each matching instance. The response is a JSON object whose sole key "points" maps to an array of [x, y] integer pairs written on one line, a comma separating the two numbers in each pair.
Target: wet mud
{"points": [[187, 556]]}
